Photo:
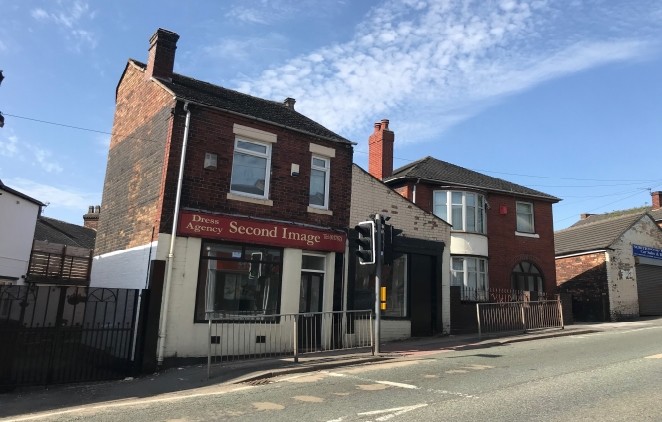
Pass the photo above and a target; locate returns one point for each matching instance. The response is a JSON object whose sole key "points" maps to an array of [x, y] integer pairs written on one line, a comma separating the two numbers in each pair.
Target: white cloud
{"points": [[70, 17], [9, 146], [44, 159], [65, 197], [445, 59]]}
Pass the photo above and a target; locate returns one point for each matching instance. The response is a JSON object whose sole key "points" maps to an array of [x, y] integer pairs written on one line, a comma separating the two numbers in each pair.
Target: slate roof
{"points": [[212, 95], [432, 169], [600, 233], [655, 213], [63, 233]]}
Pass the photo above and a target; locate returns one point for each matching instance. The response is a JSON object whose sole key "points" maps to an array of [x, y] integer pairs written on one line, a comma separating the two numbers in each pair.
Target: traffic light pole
{"points": [[378, 276]]}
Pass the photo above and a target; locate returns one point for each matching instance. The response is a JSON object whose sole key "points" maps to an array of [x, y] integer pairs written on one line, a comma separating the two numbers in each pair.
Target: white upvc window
{"points": [[251, 168], [320, 170], [525, 223], [470, 274], [465, 211]]}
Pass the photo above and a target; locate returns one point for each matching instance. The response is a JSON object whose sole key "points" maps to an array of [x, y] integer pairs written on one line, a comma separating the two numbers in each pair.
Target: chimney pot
{"points": [[90, 210], [97, 209]]}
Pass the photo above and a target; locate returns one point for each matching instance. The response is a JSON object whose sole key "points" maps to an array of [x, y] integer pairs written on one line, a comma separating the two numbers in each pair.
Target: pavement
{"points": [[187, 379]]}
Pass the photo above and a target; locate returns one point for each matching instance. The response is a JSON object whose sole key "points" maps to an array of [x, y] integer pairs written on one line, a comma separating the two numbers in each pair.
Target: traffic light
{"points": [[366, 242], [390, 233]]}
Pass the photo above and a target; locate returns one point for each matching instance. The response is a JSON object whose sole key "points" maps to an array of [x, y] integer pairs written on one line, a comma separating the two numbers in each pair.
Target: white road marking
{"points": [[393, 412], [398, 384], [654, 356], [136, 402]]}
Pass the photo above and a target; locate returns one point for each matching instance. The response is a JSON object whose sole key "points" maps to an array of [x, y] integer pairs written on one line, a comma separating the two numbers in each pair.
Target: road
{"points": [[613, 375]]}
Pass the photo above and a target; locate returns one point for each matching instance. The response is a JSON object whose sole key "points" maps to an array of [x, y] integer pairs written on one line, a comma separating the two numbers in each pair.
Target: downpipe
{"points": [[171, 252]]}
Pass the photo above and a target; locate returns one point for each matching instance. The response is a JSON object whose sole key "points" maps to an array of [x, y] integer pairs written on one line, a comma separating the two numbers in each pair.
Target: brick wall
{"points": [[132, 186], [584, 279], [506, 249], [370, 196], [211, 131]]}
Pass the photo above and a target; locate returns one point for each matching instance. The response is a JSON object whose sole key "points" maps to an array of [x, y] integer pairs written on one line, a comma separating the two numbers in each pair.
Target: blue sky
{"points": [[560, 96]]}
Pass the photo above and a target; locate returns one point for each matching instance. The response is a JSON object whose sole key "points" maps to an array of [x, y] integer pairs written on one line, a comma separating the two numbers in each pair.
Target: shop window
{"points": [[237, 279], [396, 283], [394, 278]]}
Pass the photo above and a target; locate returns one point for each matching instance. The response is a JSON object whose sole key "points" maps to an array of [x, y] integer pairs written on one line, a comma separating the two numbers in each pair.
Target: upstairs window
{"points": [[525, 217], [465, 211], [251, 166], [319, 182]]}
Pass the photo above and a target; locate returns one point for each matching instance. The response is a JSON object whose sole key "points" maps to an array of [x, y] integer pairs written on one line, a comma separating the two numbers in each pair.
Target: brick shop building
{"points": [[257, 194]]}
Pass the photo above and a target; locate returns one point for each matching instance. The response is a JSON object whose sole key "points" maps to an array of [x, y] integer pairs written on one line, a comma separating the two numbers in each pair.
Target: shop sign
{"points": [[211, 226], [646, 252]]}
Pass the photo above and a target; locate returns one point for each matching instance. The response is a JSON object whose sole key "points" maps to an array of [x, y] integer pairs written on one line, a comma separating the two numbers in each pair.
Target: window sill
{"points": [[235, 197], [532, 235], [319, 211]]}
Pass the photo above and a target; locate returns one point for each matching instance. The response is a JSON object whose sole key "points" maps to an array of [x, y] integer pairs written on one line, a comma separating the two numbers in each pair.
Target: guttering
{"points": [[570, 255], [171, 252], [178, 98]]}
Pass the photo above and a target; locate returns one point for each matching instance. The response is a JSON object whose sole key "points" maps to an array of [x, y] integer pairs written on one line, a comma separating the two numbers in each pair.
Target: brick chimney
{"points": [[656, 198], [585, 216], [289, 102], [380, 151], [91, 219], [161, 59]]}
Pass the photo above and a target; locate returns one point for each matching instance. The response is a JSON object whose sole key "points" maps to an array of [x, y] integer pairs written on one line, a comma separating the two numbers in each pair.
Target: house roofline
{"points": [[549, 198]]}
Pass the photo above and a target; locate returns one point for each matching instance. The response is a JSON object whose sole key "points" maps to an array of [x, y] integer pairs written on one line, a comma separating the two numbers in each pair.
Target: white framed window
{"points": [[470, 274], [319, 182], [465, 211], [525, 217], [251, 168]]}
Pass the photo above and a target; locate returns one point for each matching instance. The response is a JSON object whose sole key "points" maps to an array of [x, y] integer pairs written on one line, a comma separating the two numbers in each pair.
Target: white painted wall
{"points": [[184, 338], [621, 274], [18, 218], [468, 244], [123, 269]]}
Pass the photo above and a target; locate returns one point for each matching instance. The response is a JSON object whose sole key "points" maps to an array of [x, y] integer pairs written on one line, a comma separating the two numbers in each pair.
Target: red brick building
{"points": [[259, 195], [502, 233]]}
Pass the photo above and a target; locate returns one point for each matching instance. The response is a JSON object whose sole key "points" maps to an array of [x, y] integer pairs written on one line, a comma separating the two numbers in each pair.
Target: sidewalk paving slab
{"points": [[176, 380]]}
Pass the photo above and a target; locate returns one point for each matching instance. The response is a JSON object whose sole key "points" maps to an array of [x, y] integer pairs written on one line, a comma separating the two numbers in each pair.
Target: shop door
{"points": [[310, 307], [423, 307]]}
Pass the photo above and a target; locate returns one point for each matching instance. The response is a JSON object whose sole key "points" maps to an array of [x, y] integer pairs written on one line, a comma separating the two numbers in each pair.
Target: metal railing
{"points": [[499, 317], [237, 336]]}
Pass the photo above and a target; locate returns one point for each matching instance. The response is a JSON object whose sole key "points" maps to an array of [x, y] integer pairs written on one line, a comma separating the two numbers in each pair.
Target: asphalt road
{"points": [[614, 375]]}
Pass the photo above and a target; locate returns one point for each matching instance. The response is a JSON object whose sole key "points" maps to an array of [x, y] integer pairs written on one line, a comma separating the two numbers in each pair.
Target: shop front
{"points": [[236, 267]]}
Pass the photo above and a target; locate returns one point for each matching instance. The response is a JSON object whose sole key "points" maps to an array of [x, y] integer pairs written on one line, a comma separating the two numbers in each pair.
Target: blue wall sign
{"points": [[647, 252]]}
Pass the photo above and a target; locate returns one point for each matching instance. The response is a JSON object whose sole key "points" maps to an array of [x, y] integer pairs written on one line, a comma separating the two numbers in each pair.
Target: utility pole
{"points": [[2, 118]]}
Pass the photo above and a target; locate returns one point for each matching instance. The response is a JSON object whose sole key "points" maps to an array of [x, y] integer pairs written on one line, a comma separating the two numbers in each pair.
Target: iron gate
{"points": [[61, 334]]}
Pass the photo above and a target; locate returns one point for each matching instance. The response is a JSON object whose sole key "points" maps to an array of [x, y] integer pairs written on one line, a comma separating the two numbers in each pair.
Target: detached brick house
{"points": [[259, 195], [502, 234]]}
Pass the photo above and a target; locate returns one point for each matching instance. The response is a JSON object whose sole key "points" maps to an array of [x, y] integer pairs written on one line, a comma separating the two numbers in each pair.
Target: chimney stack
{"points": [[91, 219], [656, 198], [289, 102], [380, 151], [585, 216], [161, 59]]}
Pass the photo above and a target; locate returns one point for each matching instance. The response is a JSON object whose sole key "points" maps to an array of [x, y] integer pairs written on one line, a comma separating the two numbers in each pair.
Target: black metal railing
{"points": [[59, 334]]}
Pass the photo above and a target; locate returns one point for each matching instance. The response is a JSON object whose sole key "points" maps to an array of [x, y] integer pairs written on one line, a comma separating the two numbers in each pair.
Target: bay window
{"points": [[471, 275], [465, 211]]}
